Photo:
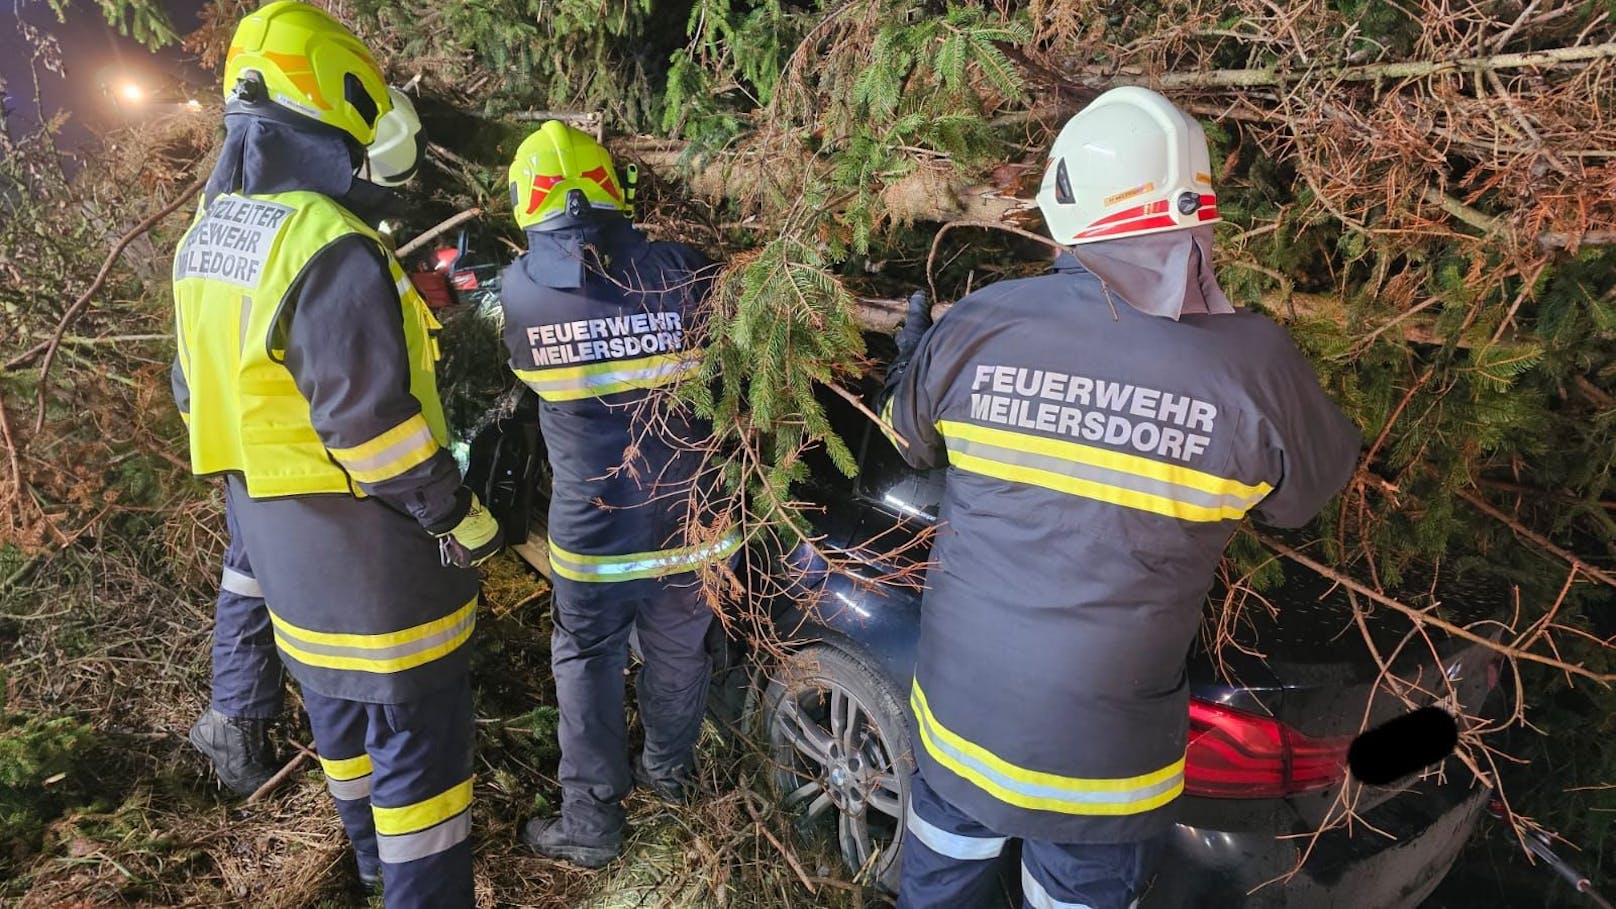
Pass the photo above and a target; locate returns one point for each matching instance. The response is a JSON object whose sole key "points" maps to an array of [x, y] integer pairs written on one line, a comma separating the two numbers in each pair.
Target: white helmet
{"points": [[400, 144], [1128, 164]]}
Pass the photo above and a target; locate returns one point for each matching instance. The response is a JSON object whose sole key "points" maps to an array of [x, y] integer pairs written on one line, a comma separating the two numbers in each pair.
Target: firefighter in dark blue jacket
{"points": [[1105, 429], [600, 323], [306, 376]]}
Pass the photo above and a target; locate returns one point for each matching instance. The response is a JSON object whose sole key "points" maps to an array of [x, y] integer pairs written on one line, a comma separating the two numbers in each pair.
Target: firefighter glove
{"points": [[475, 539], [915, 325]]}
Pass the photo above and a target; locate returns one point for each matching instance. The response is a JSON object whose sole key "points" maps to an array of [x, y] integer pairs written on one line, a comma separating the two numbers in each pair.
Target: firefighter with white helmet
{"points": [[306, 377], [1105, 429]]}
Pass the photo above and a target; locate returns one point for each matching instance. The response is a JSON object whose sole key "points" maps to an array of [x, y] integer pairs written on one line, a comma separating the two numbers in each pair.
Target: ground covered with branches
{"points": [[1422, 191]]}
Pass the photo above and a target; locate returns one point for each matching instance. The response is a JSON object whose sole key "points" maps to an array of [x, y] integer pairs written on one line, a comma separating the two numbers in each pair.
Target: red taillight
{"points": [[1238, 755]]}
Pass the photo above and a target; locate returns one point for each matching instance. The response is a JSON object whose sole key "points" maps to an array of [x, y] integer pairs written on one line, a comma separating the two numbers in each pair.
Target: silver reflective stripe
{"points": [[392, 453], [953, 845], [349, 790], [240, 584], [1038, 898], [409, 847], [668, 370], [384, 653], [934, 741], [1118, 478], [666, 562]]}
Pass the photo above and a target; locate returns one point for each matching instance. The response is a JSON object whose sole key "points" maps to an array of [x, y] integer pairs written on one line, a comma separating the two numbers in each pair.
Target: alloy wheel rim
{"points": [[841, 762]]}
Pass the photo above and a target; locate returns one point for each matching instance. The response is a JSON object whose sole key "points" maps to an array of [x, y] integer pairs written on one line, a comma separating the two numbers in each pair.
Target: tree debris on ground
{"points": [[1422, 191]]}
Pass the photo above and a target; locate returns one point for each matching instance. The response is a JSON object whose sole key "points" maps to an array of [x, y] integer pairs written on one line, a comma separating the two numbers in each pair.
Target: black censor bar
{"points": [[1403, 746]]}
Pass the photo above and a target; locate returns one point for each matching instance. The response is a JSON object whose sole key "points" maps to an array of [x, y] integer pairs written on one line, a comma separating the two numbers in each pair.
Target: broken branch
{"points": [[83, 301], [1538, 539], [443, 226], [1410, 69], [1426, 618], [298, 760]]}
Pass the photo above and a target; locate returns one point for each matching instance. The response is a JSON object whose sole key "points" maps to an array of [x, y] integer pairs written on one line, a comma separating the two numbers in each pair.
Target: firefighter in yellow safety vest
{"points": [[306, 375]]}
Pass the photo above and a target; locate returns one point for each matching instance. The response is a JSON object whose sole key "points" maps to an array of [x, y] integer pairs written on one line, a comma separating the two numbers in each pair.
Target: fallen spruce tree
{"points": [[1422, 192]]}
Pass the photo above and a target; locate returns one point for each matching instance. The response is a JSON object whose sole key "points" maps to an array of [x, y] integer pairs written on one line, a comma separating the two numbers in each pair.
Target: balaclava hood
{"points": [[1166, 274]]}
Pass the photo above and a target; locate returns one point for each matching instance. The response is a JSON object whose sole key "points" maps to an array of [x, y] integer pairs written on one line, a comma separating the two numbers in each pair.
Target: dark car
{"points": [[1270, 722]]}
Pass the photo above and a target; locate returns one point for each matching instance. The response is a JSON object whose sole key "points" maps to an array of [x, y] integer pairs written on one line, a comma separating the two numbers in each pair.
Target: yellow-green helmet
{"points": [[310, 64], [550, 166]]}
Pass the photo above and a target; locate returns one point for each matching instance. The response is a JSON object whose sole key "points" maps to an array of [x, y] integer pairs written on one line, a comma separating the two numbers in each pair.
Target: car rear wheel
{"points": [[840, 747]]}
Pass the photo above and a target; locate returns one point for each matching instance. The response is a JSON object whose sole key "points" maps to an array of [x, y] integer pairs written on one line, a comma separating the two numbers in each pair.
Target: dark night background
{"points": [[88, 48]]}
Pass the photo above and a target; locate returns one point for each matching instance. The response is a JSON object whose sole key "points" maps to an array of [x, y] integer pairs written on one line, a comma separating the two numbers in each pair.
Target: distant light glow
{"points": [[132, 92]]}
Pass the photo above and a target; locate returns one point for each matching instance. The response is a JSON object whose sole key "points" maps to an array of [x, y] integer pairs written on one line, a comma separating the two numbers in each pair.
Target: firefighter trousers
{"points": [[401, 778], [588, 654], [246, 669], [952, 862]]}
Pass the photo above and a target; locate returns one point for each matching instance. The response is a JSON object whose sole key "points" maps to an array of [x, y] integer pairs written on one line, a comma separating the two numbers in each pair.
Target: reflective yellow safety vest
{"points": [[232, 274]]}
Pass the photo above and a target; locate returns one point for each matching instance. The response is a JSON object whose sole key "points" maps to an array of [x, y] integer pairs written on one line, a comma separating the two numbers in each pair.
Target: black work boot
{"points": [[674, 790], [545, 836], [239, 749]]}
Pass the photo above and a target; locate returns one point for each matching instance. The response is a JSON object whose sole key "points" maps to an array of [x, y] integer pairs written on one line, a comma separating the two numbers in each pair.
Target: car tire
{"points": [[838, 738]]}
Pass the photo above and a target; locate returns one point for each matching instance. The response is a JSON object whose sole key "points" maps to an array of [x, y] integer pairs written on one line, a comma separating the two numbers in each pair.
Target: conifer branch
{"points": [[1425, 617], [1485, 507]]}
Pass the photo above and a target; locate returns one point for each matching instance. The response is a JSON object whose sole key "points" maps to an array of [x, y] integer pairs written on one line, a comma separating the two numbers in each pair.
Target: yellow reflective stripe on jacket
{"points": [[1035, 789], [636, 565], [886, 424], [1098, 473], [390, 652], [570, 383], [391, 453]]}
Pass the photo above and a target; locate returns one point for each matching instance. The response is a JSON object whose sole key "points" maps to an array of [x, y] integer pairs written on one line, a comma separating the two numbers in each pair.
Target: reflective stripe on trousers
{"points": [[246, 668], [1039, 790], [420, 829], [950, 861], [952, 845], [413, 825], [240, 584], [1037, 897], [348, 778], [1081, 470], [637, 565]]}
